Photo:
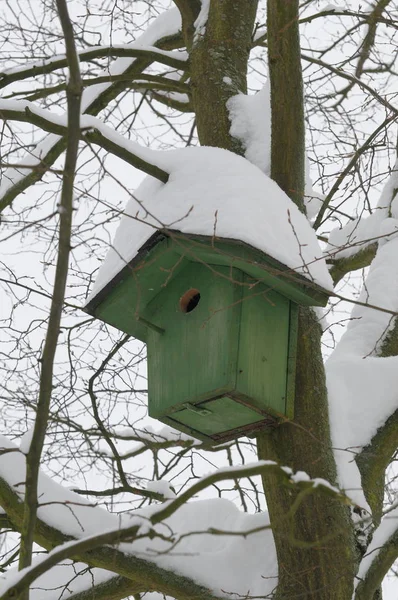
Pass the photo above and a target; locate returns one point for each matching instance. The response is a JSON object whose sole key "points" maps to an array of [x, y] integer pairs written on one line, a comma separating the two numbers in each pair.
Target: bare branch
{"points": [[74, 94]]}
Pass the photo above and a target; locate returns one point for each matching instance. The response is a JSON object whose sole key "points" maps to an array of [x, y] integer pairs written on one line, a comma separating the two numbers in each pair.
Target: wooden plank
{"points": [[263, 349], [292, 360], [225, 414]]}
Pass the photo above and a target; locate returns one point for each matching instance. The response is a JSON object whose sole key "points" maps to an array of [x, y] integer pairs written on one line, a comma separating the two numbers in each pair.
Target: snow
{"points": [[13, 175], [386, 530], [362, 385], [213, 191], [361, 232], [198, 535], [161, 487], [61, 581], [250, 118], [176, 96], [106, 50], [201, 21], [164, 434], [64, 510], [251, 124], [26, 440], [245, 564], [167, 23], [87, 122]]}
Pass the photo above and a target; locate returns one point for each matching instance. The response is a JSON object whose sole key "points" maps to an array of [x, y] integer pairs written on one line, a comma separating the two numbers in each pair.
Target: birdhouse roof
{"points": [[215, 193]]}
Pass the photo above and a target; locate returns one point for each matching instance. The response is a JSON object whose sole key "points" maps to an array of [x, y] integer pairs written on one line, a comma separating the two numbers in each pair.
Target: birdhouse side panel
{"points": [[264, 349], [195, 359]]}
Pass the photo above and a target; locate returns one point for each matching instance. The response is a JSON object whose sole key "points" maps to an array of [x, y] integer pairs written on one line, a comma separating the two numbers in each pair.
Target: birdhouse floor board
{"points": [[225, 414]]}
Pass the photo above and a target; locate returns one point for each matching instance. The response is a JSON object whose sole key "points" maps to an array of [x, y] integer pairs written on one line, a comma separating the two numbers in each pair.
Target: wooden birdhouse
{"points": [[219, 317]]}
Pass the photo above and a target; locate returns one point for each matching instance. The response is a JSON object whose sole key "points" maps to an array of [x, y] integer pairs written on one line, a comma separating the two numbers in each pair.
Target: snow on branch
{"points": [[16, 179], [134, 50], [159, 535], [92, 130], [379, 558], [362, 383]]}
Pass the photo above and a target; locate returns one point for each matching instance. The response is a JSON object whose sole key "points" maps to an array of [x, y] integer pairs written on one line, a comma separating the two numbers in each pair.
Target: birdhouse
{"points": [[219, 317]]}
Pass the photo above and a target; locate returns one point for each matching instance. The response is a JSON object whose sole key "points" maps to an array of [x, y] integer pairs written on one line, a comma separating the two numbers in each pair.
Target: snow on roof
{"points": [[212, 191]]}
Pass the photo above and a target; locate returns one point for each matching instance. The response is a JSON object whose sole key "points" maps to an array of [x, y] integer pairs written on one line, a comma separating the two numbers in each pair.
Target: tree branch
{"points": [[356, 156], [381, 560], [92, 131], [51, 147], [361, 259], [152, 54], [74, 94]]}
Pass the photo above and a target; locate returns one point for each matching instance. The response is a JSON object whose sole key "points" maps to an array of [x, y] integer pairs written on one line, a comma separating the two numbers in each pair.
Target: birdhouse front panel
{"points": [[195, 358]]}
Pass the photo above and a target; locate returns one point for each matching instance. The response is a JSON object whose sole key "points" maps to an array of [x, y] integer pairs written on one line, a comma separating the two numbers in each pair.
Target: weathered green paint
{"points": [[228, 366], [225, 415], [229, 355], [195, 359]]}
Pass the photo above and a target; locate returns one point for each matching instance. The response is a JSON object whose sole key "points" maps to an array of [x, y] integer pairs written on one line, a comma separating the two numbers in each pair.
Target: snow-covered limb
{"points": [[346, 242], [174, 100], [92, 130], [164, 32], [380, 555], [362, 371], [134, 50], [75, 581], [65, 517], [144, 83], [340, 267], [301, 480]]}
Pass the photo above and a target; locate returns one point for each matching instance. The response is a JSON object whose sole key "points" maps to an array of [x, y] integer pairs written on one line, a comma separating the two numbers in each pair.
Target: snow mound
{"points": [[214, 192]]}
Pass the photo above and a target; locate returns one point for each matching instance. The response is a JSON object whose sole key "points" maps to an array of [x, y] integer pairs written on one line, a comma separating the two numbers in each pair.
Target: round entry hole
{"points": [[190, 300]]}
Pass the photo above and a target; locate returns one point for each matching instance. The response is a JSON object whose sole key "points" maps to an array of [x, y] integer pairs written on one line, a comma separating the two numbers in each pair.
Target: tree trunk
{"points": [[315, 543]]}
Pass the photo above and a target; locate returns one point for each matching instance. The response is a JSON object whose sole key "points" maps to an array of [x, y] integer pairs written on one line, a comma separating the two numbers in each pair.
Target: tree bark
{"points": [[315, 545]]}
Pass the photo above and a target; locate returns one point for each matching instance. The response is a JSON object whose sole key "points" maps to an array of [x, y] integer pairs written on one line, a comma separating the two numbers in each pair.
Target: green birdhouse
{"points": [[220, 322], [214, 294]]}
